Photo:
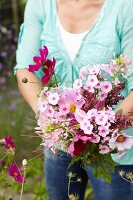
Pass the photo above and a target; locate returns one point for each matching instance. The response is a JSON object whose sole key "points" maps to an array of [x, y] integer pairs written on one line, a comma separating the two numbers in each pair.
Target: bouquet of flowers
{"points": [[81, 120]]}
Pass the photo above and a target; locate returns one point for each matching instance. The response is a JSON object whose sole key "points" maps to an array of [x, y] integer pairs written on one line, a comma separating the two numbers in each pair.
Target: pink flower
{"points": [[53, 98], [89, 88], [95, 69], [102, 96], [103, 131], [49, 111], [77, 84], [101, 118], [16, 173], [92, 80], [87, 127], [95, 138], [121, 142], [104, 149], [106, 86], [9, 143]]}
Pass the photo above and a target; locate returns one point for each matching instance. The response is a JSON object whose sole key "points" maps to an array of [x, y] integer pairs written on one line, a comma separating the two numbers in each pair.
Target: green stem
{"points": [[22, 189]]}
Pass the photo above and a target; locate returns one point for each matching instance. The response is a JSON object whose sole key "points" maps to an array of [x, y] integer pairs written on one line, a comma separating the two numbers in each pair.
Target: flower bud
{"points": [[24, 163], [24, 80]]}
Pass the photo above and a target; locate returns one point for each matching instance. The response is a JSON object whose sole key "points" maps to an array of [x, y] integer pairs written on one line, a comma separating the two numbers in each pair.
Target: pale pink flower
{"points": [[102, 96], [111, 115], [79, 115], [90, 88], [53, 98], [77, 84], [105, 139], [121, 142], [94, 70], [101, 118], [103, 131], [95, 138], [98, 86], [92, 80], [91, 113], [42, 105], [63, 110], [49, 111], [106, 86], [87, 127], [104, 149]]}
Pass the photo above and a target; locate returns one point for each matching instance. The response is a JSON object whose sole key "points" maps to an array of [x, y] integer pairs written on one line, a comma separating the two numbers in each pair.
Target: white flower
{"points": [[92, 80], [77, 84], [121, 142]]}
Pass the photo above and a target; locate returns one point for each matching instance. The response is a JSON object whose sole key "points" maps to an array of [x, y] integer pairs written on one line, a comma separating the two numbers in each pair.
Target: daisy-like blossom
{"points": [[101, 118], [9, 143], [106, 86], [53, 98], [92, 80], [70, 100], [104, 149], [103, 131], [77, 84], [16, 173], [121, 142], [79, 115]]}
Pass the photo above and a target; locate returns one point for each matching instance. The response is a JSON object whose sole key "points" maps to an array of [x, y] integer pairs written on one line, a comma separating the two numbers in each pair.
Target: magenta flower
{"points": [[16, 173], [9, 143], [79, 145], [48, 70], [39, 60]]}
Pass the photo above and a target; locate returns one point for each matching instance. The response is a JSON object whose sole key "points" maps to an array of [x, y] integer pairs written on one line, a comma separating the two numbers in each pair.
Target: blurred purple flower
{"points": [[12, 106], [3, 54]]}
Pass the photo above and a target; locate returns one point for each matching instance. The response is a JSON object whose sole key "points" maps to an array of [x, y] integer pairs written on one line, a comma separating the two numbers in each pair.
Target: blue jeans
{"points": [[56, 170]]}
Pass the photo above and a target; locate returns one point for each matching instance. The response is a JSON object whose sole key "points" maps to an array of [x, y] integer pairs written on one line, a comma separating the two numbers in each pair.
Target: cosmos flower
{"points": [[121, 142], [16, 173]]}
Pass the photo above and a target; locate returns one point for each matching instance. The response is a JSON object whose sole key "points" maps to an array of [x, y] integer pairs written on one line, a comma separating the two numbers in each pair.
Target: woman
{"points": [[77, 33]]}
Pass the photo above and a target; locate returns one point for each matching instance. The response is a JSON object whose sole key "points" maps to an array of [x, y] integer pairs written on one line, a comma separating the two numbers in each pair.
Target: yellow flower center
{"points": [[72, 108], [119, 61], [121, 138]]}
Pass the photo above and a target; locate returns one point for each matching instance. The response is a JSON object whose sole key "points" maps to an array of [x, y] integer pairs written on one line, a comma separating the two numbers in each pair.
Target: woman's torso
{"points": [[99, 45]]}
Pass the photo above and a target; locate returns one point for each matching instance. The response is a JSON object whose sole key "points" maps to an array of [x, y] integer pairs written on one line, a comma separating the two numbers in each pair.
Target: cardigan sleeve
{"points": [[30, 32], [127, 42]]}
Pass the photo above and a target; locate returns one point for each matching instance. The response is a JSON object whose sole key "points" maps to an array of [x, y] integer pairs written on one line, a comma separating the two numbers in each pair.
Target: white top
{"points": [[72, 41]]}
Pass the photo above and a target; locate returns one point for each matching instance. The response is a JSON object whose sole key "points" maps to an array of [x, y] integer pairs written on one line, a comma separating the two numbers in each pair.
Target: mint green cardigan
{"points": [[111, 33]]}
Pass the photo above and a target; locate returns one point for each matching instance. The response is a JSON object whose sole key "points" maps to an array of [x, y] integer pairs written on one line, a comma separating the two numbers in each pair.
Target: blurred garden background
{"points": [[16, 118]]}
